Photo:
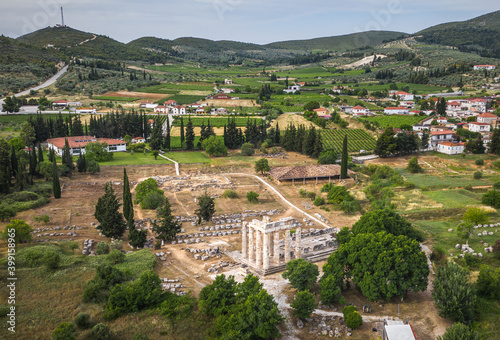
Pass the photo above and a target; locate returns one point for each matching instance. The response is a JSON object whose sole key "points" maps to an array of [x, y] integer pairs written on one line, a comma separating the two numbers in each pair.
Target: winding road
{"points": [[47, 83]]}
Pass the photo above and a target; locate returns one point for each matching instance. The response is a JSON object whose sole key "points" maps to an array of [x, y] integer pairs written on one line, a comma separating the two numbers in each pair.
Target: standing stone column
{"points": [[287, 246], [258, 248], [251, 244], [276, 247], [244, 244], [266, 251], [271, 243], [298, 238]]}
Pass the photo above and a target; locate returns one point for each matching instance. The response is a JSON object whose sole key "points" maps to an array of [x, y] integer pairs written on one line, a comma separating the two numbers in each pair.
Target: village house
{"points": [[200, 111], [396, 110], [220, 96], [86, 110], [441, 136], [218, 111], [346, 108], [408, 104], [179, 110], [148, 105], [136, 140], [402, 95], [228, 82], [321, 111], [487, 117], [292, 89], [170, 102], [162, 109], [453, 105], [484, 67], [359, 109], [451, 148], [398, 330], [227, 90], [77, 143], [479, 127]]}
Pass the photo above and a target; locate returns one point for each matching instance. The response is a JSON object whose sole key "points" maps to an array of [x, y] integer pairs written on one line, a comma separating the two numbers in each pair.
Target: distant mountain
{"points": [[480, 35], [73, 42], [340, 43]]}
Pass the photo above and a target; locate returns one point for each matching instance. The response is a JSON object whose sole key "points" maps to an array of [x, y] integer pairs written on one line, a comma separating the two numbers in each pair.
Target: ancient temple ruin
{"points": [[267, 246]]}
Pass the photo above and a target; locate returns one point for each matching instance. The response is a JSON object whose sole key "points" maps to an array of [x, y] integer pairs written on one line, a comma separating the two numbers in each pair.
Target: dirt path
{"points": [[282, 197], [365, 61]]}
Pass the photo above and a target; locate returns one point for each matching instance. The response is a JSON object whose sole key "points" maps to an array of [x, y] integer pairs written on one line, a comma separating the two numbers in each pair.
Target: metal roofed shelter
{"points": [[307, 172]]}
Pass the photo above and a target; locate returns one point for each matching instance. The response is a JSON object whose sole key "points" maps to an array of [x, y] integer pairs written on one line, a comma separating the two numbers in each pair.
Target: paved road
{"points": [[49, 82]]}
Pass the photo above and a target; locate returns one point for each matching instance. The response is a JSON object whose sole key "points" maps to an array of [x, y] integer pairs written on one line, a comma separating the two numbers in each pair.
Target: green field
{"points": [[118, 99], [188, 157], [215, 121], [394, 121], [357, 140], [454, 198], [138, 158], [446, 181], [21, 118]]}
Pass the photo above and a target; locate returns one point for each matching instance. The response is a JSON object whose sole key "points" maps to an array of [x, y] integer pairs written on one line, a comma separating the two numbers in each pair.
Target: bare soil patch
{"points": [[230, 102]]}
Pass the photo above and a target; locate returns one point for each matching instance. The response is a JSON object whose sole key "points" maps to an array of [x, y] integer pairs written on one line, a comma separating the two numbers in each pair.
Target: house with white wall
{"points": [[396, 110], [451, 148], [479, 127], [77, 143]]}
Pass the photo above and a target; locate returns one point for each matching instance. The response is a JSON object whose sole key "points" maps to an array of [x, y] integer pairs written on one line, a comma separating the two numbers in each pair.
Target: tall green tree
{"points": [[166, 226], [189, 135], [495, 142], [156, 135], [56, 185], [128, 208], [453, 295], [206, 207], [343, 163], [386, 143], [81, 163], [182, 131], [301, 274], [67, 158], [14, 166], [28, 133], [262, 165], [459, 331], [304, 304], [111, 222], [362, 261], [166, 140], [5, 163]]}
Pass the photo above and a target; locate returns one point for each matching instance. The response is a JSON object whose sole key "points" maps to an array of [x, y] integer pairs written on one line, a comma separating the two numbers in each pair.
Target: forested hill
{"points": [[72, 42], [340, 43], [480, 34]]}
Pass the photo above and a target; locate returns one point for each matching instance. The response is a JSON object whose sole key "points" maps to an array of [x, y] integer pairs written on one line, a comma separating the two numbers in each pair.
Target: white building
{"points": [[78, 143], [450, 148], [487, 118], [162, 109], [85, 110], [402, 95], [179, 110], [397, 330], [441, 136], [484, 67], [359, 109], [479, 127], [396, 110], [292, 89], [148, 105]]}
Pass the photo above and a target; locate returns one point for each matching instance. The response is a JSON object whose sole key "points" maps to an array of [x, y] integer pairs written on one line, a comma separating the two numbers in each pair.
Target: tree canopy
{"points": [[111, 222], [382, 265], [301, 274]]}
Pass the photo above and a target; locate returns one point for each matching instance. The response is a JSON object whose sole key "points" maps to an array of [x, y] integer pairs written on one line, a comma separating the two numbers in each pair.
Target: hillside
{"points": [[479, 34], [339, 43], [72, 42], [23, 65]]}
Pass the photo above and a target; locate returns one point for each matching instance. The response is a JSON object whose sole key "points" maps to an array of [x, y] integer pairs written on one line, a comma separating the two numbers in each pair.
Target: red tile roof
{"points": [[60, 101], [488, 115], [396, 108], [358, 107], [451, 144], [445, 132], [81, 141]]}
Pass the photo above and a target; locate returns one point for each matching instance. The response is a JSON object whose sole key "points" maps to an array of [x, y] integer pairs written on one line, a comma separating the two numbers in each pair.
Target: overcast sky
{"points": [[256, 21]]}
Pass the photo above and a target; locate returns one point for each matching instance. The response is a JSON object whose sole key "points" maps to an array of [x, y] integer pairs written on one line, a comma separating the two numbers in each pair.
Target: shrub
{"points": [[497, 164], [116, 256], [101, 332], [496, 186], [413, 166], [252, 197], [51, 260], [327, 187], [43, 218], [247, 149], [478, 175], [6, 212], [348, 310], [311, 195], [492, 198], [153, 200], [140, 336], [93, 166], [82, 321], [303, 193], [303, 304], [102, 248], [353, 320], [479, 162], [116, 244], [230, 194], [65, 331], [319, 201]]}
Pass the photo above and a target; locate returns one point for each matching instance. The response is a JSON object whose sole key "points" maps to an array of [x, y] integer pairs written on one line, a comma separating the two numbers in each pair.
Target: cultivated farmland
{"points": [[357, 139], [395, 121]]}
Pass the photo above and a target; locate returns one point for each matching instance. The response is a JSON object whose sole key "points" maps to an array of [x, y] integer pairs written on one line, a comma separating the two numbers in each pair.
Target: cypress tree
{"points": [[56, 185], [166, 140], [128, 210], [111, 220], [343, 164], [66, 156], [182, 131], [13, 162], [189, 135], [33, 163], [40, 153], [277, 134]]}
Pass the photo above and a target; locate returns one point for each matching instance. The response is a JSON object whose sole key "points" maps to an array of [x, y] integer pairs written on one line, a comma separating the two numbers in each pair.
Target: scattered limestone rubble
{"points": [[162, 256], [173, 286], [222, 264], [87, 247], [327, 326], [204, 254]]}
